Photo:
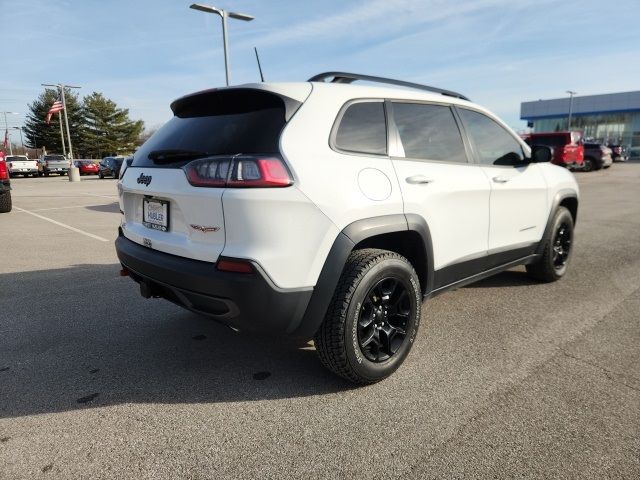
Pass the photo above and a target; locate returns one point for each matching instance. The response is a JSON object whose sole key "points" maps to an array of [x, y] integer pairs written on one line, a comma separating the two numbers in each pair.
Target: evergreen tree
{"points": [[39, 134], [108, 130]]}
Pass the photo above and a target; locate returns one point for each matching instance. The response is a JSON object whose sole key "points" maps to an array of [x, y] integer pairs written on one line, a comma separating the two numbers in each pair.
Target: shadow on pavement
{"points": [[83, 337], [113, 207]]}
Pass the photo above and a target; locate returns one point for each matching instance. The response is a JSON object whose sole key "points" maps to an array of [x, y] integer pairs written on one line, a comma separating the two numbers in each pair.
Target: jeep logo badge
{"points": [[144, 179]]}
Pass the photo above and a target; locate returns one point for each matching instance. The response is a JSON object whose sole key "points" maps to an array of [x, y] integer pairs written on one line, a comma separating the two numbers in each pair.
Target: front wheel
{"points": [[557, 248], [373, 318]]}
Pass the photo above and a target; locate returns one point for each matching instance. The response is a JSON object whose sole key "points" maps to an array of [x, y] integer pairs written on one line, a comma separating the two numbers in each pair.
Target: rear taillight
{"points": [[238, 172], [4, 174]]}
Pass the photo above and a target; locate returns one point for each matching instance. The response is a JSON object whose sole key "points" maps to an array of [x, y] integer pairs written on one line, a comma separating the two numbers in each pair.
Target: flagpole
{"points": [[64, 150], [73, 172], [66, 122]]}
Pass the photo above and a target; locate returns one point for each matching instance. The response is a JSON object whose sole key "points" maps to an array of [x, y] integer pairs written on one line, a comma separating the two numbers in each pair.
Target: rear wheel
{"points": [[100, 175], [558, 244], [5, 202], [373, 318]]}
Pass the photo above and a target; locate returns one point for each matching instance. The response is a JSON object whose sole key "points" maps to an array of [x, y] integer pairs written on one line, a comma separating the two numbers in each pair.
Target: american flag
{"points": [[55, 108]]}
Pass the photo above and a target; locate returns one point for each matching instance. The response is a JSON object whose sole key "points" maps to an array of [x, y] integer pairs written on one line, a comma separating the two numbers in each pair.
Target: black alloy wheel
{"points": [[562, 246], [383, 319]]}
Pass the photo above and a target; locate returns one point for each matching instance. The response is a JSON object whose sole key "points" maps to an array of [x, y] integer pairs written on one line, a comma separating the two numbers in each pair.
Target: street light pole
{"points": [[21, 139], [225, 40], [571, 94], [74, 173], [6, 128]]}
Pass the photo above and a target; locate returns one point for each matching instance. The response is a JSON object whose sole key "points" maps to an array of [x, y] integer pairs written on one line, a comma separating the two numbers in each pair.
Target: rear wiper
{"points": [[169, 155]]}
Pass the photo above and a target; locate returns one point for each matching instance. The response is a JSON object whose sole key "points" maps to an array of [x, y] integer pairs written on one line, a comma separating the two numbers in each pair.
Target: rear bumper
{"points": [[249, 302], [23, 170]]}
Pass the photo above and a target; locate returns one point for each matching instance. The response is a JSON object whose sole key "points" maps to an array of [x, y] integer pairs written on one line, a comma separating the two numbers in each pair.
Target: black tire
{"points": [[100, 175], [340, 341], [46, 174], [5, 202], [558, 246], [588, 164]]}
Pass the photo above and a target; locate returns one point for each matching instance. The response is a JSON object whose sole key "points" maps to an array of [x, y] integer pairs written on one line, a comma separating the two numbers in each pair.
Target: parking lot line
{"points": [[64, 225], [103, 196], [64, 208]]}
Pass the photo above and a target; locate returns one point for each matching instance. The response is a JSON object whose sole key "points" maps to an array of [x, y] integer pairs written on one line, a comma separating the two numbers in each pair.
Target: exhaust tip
{"points": [[145, 290]]}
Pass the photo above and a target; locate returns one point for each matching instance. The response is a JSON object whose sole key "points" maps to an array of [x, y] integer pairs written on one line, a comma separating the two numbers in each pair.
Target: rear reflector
{"points": [[4, 174], [245, 171], [124, 272], [237, 266]]}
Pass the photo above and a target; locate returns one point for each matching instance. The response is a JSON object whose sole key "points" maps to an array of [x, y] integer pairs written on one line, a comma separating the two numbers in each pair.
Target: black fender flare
{"points": [[343, 245], [557, 200]]}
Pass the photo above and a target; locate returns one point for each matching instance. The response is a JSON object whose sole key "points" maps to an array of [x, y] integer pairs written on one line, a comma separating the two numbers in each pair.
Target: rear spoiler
{"points": [[232, 100]]}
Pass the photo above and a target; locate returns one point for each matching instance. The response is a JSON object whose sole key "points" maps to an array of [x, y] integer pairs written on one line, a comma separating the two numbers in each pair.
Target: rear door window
{"points": [[429, 132], [363, 129]]}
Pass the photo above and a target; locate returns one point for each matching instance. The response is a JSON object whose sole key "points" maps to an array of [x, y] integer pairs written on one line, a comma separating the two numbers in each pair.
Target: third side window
{"points": [[429, 132], [494, 145]]}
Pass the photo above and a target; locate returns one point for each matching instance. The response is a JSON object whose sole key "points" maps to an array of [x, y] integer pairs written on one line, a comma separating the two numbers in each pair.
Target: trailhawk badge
{"points": [[144, 179], [202, 229]]}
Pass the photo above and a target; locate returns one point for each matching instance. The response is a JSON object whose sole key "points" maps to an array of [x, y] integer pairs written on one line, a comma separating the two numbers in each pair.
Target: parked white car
{"points": [[327, 210], [21, 165]]}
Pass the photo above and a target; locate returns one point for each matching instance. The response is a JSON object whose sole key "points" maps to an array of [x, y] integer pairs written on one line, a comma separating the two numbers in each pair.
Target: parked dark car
{"points": [[87, 167], [596, 156], [619, 153], [567, 147], [5, 188], [110, 167]]}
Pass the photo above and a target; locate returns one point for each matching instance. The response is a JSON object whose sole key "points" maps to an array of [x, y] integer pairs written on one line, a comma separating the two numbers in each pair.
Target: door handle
{"points": [[501, 179], [418, 179]]}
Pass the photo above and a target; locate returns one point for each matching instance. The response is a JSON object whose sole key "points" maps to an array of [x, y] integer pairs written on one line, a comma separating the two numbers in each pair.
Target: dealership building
{"points": [[609, 118]]}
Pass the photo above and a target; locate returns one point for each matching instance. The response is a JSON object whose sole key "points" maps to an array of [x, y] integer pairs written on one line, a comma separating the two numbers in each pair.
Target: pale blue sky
{"points": [[143, 53]]}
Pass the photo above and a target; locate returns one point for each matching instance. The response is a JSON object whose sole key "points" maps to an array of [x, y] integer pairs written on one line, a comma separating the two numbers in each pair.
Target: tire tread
{"points": [[330, 338]]}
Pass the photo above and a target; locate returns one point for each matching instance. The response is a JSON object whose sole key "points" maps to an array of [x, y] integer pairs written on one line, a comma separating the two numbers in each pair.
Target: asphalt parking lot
{"points": [[508, 378]]}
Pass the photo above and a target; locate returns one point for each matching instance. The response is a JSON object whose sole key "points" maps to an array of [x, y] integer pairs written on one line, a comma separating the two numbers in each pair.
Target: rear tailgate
{"points": [[21, 164], [166, 210], [193, 216]]}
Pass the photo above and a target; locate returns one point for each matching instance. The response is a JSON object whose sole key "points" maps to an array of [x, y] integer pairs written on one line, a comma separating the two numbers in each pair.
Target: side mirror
{"points": [[541, 154]]}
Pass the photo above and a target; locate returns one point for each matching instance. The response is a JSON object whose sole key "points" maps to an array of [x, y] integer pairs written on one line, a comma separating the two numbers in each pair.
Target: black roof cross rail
{"points": [[344, 77]]}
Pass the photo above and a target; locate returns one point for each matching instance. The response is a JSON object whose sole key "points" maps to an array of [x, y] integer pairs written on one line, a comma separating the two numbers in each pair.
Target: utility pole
{"points": [[74, 173], [571, 94], [224, 14], [21, 139], [6, 129]]}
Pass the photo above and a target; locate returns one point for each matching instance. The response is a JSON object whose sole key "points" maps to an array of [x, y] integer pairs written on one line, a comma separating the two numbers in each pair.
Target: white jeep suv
{"points": [[330, 211]]}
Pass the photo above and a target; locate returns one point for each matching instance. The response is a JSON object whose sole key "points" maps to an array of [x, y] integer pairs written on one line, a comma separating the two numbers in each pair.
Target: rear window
{"points": [[429, 132], [15, 158], [363, 129], [54, 157], [225, 122], [548, 140]]}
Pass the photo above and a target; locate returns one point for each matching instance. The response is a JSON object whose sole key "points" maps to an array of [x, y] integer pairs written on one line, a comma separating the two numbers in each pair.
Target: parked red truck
{"points": [[567, 147]]}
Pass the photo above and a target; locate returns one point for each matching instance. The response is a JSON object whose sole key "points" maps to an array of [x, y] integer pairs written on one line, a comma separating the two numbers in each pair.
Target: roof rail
{"points": [[344, 77]]}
